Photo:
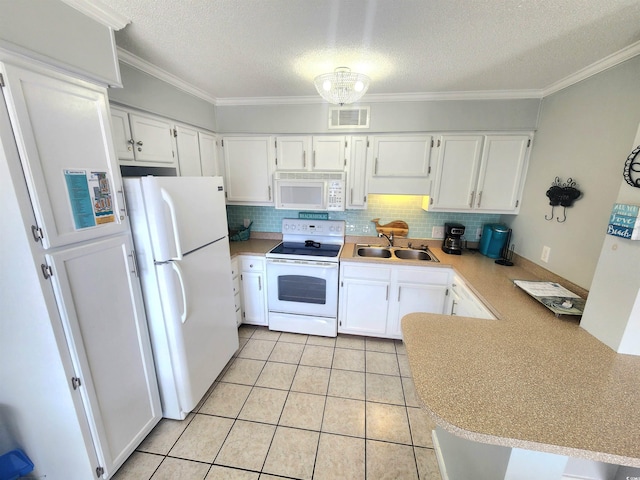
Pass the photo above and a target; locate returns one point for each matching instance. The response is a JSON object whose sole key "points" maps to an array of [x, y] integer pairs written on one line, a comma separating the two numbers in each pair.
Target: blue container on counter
{"points": [[494, 235]]}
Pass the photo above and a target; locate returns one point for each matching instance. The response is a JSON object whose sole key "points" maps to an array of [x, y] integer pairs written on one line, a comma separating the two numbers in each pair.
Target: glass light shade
{"points": [[342, 86]]}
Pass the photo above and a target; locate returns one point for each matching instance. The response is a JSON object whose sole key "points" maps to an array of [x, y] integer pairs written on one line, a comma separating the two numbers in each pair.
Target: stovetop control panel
{"points": [[312, 228]]}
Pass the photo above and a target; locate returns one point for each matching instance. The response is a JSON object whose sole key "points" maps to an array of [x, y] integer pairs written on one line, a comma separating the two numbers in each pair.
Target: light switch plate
{"points": [[546, 251]]}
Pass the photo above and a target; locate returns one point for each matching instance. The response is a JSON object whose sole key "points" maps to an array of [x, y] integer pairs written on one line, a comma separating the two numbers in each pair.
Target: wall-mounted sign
{"points": [[624, 221], [90, 198]]}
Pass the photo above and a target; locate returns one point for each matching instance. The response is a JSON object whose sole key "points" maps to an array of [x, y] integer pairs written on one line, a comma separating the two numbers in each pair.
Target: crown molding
{"points": [[595, 68], [100, 12], [146, 67]]}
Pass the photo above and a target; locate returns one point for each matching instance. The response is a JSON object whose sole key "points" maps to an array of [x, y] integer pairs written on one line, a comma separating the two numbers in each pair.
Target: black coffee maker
{"points": [[452, 242]]}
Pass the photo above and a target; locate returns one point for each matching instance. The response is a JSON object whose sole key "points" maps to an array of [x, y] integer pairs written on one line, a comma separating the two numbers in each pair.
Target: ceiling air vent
{"points": [[348, 118]]}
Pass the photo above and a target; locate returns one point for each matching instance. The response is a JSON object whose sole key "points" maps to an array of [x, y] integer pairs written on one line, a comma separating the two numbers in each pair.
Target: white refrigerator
{"points": [[180, 231]]}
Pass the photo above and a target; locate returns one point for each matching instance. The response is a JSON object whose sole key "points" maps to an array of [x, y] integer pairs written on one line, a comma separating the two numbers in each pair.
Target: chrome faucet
{"points": [[388, 237]]}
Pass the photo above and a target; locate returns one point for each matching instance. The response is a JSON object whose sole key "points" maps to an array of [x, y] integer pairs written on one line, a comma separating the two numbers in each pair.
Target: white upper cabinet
{"points": [[456, 171], [248, 164], [401, 164], [502, 173], [209, 155], [293, 153], [480, 173], [64, 138], [329, 153], [188, 147], [142, 139], [318, 153], [357, 173]]}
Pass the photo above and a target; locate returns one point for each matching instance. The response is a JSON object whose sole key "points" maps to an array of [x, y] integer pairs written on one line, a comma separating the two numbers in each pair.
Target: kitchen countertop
{"points": [[528, 380]]}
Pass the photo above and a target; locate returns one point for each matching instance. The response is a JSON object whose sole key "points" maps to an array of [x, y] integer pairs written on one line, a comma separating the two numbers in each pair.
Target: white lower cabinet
{"points": [[374, 298], [465, 304], [253, 287], [235, 276]]}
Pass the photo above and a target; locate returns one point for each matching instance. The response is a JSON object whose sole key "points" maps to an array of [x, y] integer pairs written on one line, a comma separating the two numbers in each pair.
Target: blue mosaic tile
{"points": [[386, 207]]}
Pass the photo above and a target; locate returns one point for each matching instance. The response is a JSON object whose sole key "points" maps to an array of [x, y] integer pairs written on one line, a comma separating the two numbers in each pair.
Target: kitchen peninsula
{"points": [[529, 380]]}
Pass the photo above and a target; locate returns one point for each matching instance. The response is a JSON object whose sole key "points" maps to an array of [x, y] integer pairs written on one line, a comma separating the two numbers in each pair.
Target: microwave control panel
{"points": [[335, 195]]}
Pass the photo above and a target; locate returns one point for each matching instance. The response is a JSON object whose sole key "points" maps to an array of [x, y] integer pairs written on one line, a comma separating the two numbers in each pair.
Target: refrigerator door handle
{"points": [[174, 221], [178, 270]]}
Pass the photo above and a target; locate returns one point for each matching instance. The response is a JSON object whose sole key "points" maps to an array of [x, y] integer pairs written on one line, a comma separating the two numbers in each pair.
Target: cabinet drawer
{"points": [[367, 272], [252, 264], [438, 276], [234, 267]]}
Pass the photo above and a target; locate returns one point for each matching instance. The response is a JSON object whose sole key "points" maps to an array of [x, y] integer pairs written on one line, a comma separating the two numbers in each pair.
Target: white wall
{"points": [[141, 90], [585, 132], [425, 116]]}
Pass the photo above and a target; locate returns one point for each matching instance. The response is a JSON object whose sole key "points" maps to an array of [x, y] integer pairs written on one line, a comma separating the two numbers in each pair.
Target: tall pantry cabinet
{"points": [[69, 282]]}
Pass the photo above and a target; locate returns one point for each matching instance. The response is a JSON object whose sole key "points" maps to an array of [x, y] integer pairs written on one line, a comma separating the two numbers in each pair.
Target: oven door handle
{"points": [[303, 264]]}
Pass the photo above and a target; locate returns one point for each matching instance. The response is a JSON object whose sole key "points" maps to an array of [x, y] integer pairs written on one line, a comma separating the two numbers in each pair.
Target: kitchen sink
{"points": [[394, 253], [411, 254], [376, 252]]}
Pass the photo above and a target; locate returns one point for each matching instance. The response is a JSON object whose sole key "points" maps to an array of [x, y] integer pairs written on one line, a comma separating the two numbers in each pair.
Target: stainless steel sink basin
{"points": [[394, 253], [376, 252], [408, 254]]}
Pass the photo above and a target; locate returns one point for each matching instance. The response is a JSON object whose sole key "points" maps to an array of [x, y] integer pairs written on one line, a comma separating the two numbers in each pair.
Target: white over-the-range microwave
{"points": [[309, 191]]}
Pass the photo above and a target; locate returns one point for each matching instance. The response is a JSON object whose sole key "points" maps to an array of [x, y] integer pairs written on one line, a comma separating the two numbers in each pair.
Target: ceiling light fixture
{"points": [[342, 86]]}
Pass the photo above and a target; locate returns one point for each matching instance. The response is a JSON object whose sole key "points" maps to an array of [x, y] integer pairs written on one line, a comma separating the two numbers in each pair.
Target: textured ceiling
{"points": [[274, 48]]}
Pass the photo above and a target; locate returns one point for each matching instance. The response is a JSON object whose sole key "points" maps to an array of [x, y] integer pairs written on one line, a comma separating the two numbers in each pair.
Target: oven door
{"points": [[302, 287]]}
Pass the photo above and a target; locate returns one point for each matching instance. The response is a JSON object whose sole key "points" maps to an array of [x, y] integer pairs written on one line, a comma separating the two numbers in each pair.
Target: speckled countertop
{"points": [[528, 380]]}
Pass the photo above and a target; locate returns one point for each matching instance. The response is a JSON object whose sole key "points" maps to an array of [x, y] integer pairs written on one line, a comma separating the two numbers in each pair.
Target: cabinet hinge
{"points": [[342, 284], [432, 143], [37, 233], [517, 203], [367, 143], [365, 198], [446, 293], [429, 170], [528, 143], [1, 80], [276, 161], [430, 200], [340, 323], [47, 271], [75, 383], [222, 143], [275, 144], [99, 471], [345, 144], [175, 133], [345, 162]]}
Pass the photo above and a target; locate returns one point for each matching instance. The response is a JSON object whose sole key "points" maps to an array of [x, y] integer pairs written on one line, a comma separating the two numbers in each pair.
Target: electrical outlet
{"points": [[246, 222], [437, 232], [478, 233], [546, 251]]}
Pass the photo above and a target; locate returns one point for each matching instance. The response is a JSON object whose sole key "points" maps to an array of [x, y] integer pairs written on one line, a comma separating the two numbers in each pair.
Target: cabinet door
{"points": [[247, 162], [63, 133], [153, 139], [208, 155], [412, 297], [502, 171], [357, 165], [188, 151], [363, 307], [253, 298], [292, 153], [329, 153], [105, 325], [402, 156], [122, 134], [456, 172]]}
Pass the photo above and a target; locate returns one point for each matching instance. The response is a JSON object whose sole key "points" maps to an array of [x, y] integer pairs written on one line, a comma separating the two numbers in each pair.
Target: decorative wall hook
{"points": [[562, 194], [632, 168]]}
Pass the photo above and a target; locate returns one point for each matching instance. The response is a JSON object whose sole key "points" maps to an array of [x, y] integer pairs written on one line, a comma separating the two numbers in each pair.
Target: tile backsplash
{"points": [[386, 207]]}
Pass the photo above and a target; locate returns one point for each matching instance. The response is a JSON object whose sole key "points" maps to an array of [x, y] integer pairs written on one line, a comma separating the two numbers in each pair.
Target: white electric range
{"points": [[302, 277]]}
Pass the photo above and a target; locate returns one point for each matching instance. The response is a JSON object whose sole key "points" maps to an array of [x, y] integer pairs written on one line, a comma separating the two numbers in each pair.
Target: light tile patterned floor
{"points": [[298, 407]]}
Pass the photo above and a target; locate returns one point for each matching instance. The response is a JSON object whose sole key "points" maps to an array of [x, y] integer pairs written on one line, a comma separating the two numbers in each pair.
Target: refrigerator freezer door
{"points": [[185, 213], [63, 134], [102, 314], [201, 336]]}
